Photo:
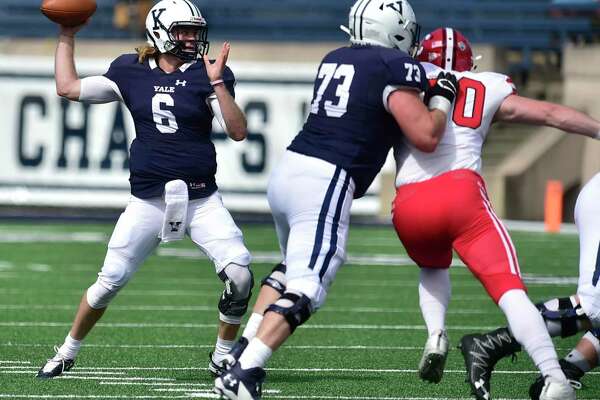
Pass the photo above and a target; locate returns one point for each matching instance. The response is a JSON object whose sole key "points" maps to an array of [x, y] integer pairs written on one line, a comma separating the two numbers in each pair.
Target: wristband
{"points": [[217, 82], [440, 103]]}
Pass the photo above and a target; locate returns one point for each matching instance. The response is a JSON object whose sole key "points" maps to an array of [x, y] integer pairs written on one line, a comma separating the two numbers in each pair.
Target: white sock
{"points": [[434, 296], [252, 325], [70, 347], [222, 348], [577, 359], [256, 354], [528, 327]]}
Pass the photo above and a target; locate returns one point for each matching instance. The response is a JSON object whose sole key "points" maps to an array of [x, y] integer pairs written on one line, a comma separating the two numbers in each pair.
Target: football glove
{"points": [[441, 95]]}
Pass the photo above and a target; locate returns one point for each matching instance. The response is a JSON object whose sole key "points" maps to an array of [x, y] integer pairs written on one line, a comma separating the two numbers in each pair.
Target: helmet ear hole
{"points": [[156, 35]]}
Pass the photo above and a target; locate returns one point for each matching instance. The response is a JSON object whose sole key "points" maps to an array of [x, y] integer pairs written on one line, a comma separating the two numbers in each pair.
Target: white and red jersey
{"points": [[480, 95]]}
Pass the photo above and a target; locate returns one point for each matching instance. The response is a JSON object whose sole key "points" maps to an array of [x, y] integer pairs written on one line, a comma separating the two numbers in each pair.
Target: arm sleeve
{"points": [[98, 90], [215, 108]]}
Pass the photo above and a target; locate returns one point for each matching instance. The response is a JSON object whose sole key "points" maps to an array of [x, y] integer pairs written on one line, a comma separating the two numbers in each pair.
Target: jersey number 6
{"points": [[164, 119], [329, 72]]}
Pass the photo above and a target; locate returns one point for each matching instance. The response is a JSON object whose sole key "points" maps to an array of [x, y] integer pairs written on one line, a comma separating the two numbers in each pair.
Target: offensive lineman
{"points": [[172, 99], [366, 97], [441, 204]]}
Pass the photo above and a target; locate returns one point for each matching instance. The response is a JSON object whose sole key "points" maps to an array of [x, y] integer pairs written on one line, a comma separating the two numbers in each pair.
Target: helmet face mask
{"points": [[387, 23], [165, 23]]}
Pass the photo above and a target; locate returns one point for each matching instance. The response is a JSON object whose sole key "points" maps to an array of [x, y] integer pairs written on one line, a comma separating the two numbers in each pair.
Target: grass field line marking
{"points": [[101, 378], [85, 396], [275, 257], [14, 362], [211, 346], [52, 237], [351, 370], [106, 375], [154, 384], [364, 310], [39, 267], [15, 324], [6, 265], [372, 398]]}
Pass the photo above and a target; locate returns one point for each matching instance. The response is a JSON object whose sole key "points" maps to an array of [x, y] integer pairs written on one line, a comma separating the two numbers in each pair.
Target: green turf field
{"points": [[154, 339]]}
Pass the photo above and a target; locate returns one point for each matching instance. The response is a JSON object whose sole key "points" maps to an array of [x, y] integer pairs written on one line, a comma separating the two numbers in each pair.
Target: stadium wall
{"points": [[61, 154], [517, 185]]}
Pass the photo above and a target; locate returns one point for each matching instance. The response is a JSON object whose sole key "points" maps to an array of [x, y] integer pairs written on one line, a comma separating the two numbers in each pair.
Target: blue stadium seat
{"points": [[518, 24]]}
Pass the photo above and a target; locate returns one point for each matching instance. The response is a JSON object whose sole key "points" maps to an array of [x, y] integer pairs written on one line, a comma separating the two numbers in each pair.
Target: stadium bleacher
{"points": [[517, 24]]}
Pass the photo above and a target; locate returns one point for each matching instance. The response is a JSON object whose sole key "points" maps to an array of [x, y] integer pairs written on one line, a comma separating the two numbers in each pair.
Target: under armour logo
{"points": [[155, 16], [229, 380], [480, 385], [175, 226], [180, 83]]}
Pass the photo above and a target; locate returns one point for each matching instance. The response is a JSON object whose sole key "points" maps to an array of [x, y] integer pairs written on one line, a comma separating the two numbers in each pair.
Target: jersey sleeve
{"points": [[403, 73], [502, 84], [113, 73], [229, 79]]}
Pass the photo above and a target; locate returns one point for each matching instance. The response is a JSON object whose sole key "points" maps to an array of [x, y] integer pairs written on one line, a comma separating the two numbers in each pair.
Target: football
{"points": [[68, 12]]}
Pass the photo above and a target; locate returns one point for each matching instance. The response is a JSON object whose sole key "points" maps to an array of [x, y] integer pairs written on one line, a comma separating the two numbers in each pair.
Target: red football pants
{"points": [[452, 211]]}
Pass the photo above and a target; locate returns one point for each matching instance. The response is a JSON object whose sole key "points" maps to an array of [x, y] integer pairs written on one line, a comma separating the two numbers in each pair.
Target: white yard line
{"points": [[14, 362], [52, 237], [211, 346], [350, 370], [358, 310], [15, 324]]}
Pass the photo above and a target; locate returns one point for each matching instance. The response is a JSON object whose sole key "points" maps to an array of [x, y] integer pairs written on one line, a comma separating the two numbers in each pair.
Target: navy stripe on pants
{"points": [[322, 218], [334, 227]]}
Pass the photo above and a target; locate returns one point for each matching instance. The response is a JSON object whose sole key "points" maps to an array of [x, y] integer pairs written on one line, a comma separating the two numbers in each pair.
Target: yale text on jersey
{"points": [[164, 89]]}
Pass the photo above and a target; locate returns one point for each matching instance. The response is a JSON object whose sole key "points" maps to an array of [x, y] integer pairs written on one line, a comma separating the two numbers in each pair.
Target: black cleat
{"points": [[240, 384], [55, 366], [572, 372], [481, 353]]}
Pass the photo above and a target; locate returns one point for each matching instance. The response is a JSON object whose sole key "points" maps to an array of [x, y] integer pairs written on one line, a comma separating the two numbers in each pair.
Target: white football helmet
{"points": [[167, 15], [387, 23]]}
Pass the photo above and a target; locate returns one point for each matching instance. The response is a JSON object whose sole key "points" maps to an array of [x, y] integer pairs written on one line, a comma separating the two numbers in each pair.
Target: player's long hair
{"points": [[144, 52]]}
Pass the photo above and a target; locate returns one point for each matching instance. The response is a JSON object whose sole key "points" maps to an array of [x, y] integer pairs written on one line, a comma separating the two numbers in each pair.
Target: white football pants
{"points": [[136, 235], [587, 218], [310, 200]]}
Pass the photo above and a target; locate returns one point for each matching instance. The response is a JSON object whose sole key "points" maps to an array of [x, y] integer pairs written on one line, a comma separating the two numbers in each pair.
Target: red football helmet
{"points": [[448, 49]]}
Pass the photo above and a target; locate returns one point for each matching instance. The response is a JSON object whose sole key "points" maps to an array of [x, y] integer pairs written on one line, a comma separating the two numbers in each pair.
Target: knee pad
{"points": [[276, 279], [117, 269], [562, 316], [98, 296], [296, 308], [238, 290]]}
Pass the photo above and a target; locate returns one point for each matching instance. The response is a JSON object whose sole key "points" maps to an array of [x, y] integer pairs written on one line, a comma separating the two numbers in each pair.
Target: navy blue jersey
{"points": [[173, 124], [348, 124]]}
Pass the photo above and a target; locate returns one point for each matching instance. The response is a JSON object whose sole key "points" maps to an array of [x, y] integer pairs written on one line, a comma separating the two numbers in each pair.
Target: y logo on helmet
{"points": [[394, 5], [156, 17]]}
